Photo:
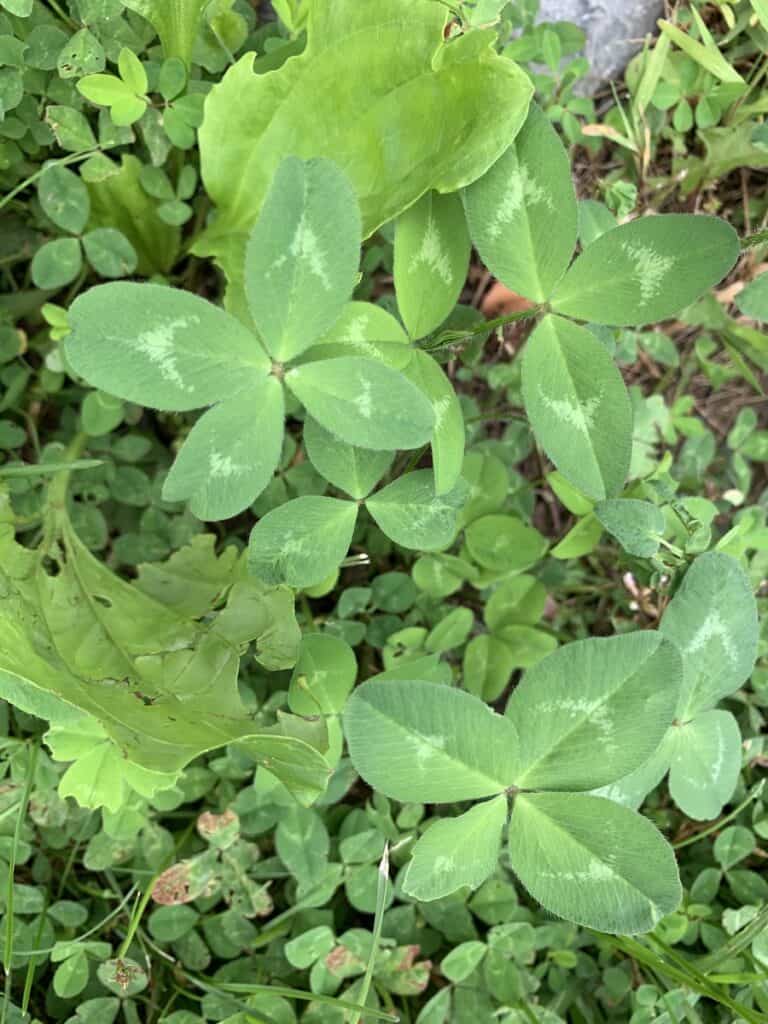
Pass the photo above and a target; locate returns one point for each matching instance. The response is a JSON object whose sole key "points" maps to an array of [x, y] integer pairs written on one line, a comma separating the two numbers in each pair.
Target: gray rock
{"points": [[615, 31]]}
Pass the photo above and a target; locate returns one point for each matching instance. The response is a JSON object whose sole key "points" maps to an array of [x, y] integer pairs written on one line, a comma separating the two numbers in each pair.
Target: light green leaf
{"points": [[705, 764], [593, 862], [487, 666], [431, 261], [656, 266], [57, 263], [363, 402], [109, 252], [594, 220], [752, 301], [712, 620], [580, 540], [633, 788], [301, 542], [160, 347], [457, 852], [522, 214], [636, 525], [706, 53], [364, 329], [504, 543], [192, 578], [106, 90], [398, 76], [354, 470], [518, 601], [132, 71], [175, 21], [302, 256], [410, 513], [594, 710], [230, 454], [178, 697], [64, 198], [462, 960], [578, 406], [449, 433], [527, 645], [323, 676], [428, 743], [732, 845]]}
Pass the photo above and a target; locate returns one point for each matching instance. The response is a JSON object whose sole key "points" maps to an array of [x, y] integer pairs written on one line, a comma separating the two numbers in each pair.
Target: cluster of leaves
{"points": [[209, 747]]}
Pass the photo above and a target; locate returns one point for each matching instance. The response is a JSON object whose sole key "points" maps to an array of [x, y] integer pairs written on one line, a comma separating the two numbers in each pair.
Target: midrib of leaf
{"points": [[592, 853], [584, 717], [474, 772]]}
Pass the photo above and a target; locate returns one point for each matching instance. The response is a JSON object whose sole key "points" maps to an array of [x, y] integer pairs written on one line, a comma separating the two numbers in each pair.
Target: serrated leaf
{"points": [[594, 710], [399, 76], [428, 743], [456, 852], [712, 620], [411, 513], [593, 862], [636, 525], [230, 454], [363, 402], [302, 255], [655, 265], [705, 763], [301, 542], [522, 213], [431, 261], [160, 347], [578, 406], [354, 470], [449, 431]]}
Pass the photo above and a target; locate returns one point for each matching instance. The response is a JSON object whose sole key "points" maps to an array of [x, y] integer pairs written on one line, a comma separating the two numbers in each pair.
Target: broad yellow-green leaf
{"points": [[70, 629], [593, 862], [712, 620], [449, 432], [175, 21], [412, 514], [705, 763], [230, 454], [648, 269], [594, 710], [636, 525], [456, 852], [301, 542], [370, 79], [428, 743], [431, 260], [522, 213], [302, 255], [363, 402], [354, 470], [578, 406], [160, 347]]}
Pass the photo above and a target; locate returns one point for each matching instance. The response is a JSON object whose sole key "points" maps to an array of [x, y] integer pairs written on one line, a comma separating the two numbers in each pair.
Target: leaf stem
{"points": [[753, 794]]}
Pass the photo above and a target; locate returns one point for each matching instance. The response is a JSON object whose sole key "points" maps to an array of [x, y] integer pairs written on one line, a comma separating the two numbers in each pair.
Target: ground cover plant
{"points": [[382, 516]]}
